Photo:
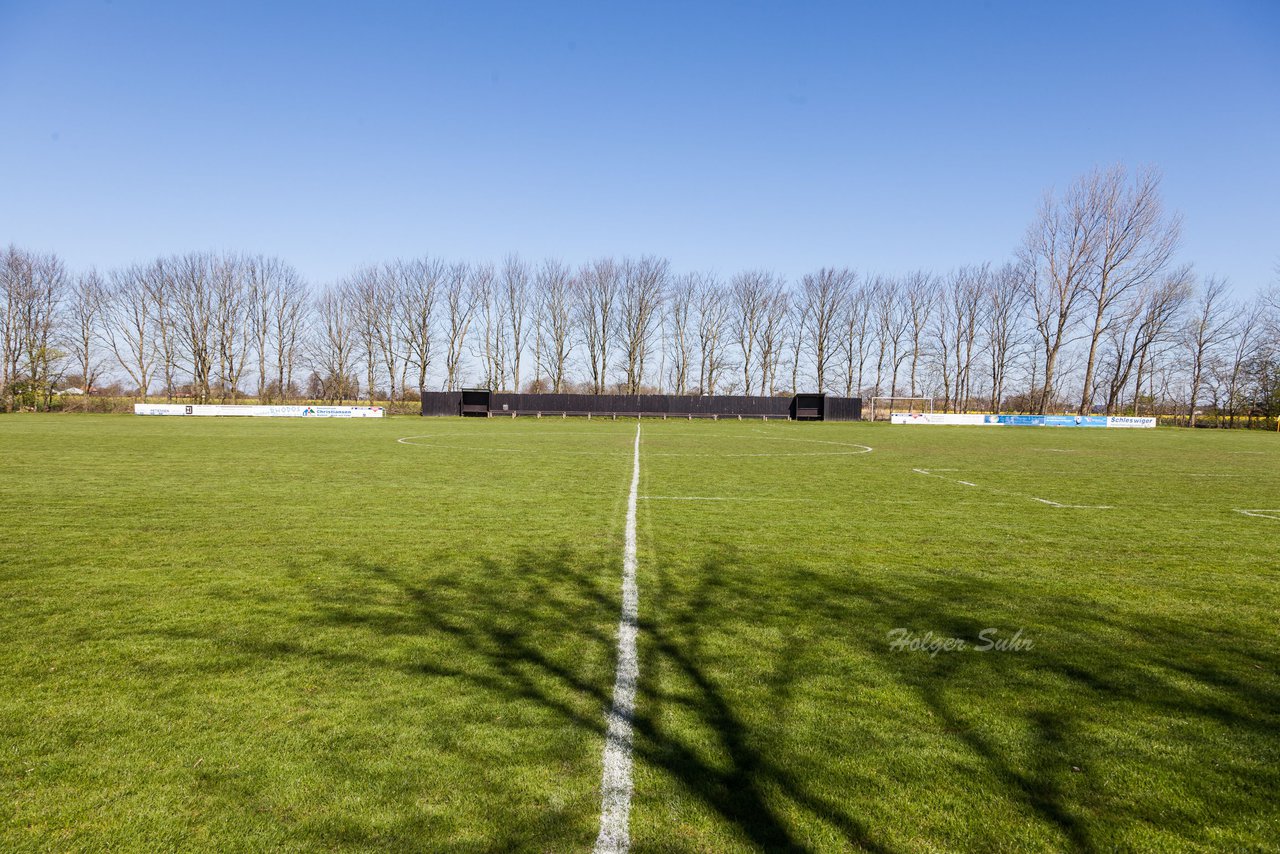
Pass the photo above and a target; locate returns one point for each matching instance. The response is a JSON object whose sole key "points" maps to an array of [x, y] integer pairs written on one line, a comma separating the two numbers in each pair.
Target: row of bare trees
{"points": [[195, 325], [1092, 314]]}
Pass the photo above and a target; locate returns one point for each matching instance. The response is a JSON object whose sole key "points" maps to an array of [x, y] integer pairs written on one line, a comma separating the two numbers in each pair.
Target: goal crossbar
{"points": [[926, 403]]}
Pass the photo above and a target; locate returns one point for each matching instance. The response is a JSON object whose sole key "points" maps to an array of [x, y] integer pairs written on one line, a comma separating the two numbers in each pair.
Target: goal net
{"points": [[884, 406]]}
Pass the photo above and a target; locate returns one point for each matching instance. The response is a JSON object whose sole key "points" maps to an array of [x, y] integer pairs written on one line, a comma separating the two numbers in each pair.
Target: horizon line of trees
{"points": [[1091, 313]]}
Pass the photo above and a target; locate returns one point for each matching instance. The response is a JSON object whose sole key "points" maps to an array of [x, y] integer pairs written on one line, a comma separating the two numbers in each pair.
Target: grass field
{"points": [[255, 634]]}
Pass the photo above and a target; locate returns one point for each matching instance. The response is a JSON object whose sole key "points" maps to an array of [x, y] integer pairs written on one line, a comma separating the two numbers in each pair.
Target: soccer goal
{"points": [[894, 404]]}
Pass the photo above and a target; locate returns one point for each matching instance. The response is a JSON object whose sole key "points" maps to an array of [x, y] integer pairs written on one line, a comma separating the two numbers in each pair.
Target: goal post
{"points": [[894, 403]]}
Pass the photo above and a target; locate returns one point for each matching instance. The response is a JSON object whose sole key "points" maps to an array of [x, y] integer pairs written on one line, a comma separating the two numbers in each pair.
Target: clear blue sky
{"points": [[885, 136]]}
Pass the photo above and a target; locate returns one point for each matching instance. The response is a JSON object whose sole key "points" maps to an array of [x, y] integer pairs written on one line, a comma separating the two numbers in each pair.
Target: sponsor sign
{"points": [[259, 411], [1129, 421], [937, 418], [1024, 420], [1075, 421]]}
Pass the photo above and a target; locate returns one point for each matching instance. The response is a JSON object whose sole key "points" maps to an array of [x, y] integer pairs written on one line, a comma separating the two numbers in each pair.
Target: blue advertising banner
{"points": [[1075, 421]]}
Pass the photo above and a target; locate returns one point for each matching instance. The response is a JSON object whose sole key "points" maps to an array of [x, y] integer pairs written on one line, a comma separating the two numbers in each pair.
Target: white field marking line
{"points": [[859, 449], [1262, 514], [615, 782], [716, 498], [763, 432], [784, 454], [930, 473], [409, 440], [1072, 506]]}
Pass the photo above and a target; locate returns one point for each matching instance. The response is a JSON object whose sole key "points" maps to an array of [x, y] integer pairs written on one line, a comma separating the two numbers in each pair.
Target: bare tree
{"points": [[680, 331], [35, 289], [1249, 322], [461, 285], [1207, 328], [797, 329], [417, 285], [41, 320], [161, 289], [855, 319], [824, 294], [891, 327], [1149, 320], [598, 284], [965, 293], [336, 345], [750, 292], [290, 314], [130, 325], [276, 301], [1004, 301], [232, 329], [190, 293], [1134, 245], [644, 284], [774, 329], [492, 347], [1160, 323], [713, 321], [374, 308], [389, 328], [85, 313], [11, 263], [258, 303], [555, 287], [515, 292], [919, 296], [1059, 259]]}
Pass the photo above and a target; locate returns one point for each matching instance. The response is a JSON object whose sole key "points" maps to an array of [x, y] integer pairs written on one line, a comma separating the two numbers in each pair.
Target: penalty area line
{"points": [[615, 782], [1262, 513], [1072, 506], [931, 473]]}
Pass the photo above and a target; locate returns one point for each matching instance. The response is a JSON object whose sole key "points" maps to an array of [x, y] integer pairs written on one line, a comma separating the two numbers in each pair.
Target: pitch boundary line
{"points": [[615, 781], [930, 473]]}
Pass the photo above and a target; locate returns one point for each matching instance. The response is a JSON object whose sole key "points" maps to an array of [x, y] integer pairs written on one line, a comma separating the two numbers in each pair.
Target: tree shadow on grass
{"points": [[1092, 668], [503, 637], [539, 630], [536, 631]]}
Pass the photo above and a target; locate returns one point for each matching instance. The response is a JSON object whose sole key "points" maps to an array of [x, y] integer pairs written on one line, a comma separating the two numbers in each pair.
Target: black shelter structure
{"points": [[474, 402], [808, 407], [802, 407]]}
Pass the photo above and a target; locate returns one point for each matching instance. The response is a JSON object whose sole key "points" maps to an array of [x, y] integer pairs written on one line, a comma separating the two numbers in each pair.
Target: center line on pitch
{"points": [[615, 783]]}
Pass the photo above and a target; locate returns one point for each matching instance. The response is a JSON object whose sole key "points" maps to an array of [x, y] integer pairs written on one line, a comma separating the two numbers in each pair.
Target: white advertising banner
{"points": [[1129, 421], [258, 411], [937, 418]]}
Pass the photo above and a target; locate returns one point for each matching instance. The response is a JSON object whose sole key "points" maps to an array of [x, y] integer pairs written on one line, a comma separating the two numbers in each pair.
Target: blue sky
{"points": [[885, 136]]}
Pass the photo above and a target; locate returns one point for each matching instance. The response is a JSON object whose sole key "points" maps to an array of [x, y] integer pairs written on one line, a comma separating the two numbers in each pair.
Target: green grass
{"points": [[250, 634]]}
